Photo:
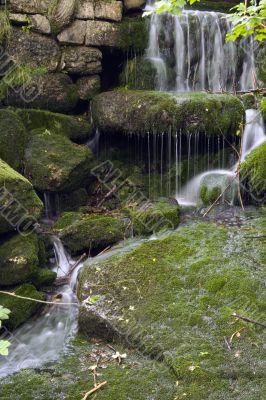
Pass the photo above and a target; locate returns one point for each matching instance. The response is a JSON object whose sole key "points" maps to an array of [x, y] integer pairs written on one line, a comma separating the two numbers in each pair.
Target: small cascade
{"points": [[51, 207], [190, 53], [253, 136], [44, 339]]}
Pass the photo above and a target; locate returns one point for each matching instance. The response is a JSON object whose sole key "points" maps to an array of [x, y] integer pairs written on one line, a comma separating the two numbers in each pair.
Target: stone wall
{"points": [[60, 44]]}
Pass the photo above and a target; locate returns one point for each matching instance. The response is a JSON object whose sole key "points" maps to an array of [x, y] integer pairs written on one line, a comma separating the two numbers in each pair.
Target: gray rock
{"points": [[101, 33], [134, 4], [88, 87], [29, 6], [33, 50], [54, 92], [40, 24], [82, 60], [61, 14], [108, 11], [18, 19], [74, 34], [85, 9]]}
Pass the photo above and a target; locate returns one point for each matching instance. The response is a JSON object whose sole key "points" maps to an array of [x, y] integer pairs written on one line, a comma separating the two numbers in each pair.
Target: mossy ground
{"points": [[175, 297]]}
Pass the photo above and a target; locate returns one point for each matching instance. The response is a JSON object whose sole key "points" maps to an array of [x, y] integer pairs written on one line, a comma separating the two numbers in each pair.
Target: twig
{"points": [[104, 251], [112, 191], [94, 390], [246, 319], [227, 343], [35, 300], [72, 269], [216, 201], [234, 334]]}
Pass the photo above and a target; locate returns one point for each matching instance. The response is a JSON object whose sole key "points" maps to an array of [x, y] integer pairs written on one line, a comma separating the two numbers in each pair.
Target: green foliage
{"points": [[5, 27], [4, 344], [248, 20]]}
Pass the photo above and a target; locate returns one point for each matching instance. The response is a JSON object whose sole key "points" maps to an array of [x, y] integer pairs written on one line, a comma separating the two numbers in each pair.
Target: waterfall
{"points": [[253, 136], [189, 52]]}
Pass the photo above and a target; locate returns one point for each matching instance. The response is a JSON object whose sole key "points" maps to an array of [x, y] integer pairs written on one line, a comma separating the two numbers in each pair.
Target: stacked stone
{"points": [[66, 37]]}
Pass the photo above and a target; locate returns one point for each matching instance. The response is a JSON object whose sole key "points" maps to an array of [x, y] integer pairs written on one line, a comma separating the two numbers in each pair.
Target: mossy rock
{"points": [[133, 35], [75, 128], [128, 111], [249, 100], [253, 174], [155, 217], [174, 298], [138, 73], [218, 187], [260, 63], [263, 108], [21, 310], [13, 139], [54, 163], [80, 232], [73, 201], [43, 277], [19, 259], [18, 201]]}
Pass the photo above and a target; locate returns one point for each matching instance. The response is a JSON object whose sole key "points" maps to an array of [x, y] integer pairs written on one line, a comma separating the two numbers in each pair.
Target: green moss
{"points": [[133, 34], [260, 63], [150, 218], [253, 173], [208, 197], [263, 108], [21, 310], [175, 298], [216, 5], [5, 28], [19, 259], [18, 199], [43, 277], [143, 111], [249, 100], [75, 128], [73, 201], [138, 73], [81, 232], [53, 163], [13, 139]]}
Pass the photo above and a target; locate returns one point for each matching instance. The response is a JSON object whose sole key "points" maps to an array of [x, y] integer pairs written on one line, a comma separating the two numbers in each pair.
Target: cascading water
{"points": [[190, 53], [253, 136]]}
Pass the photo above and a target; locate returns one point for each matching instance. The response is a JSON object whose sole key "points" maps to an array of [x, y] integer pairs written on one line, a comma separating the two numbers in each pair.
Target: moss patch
{"points": [[55, 164], [13, 139], [81, 232], [175, 298], [18, 199], [21, 310], [75, 128]]}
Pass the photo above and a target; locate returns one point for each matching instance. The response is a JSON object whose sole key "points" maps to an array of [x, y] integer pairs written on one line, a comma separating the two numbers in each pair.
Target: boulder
{"points": [[40, 24], [151, 218], [220, 184], [21, 310], [19, 204], [33, 50], [134, 4], [19, 259], [54, 92], [126, 111], [110, 11], [55, 164], [253, 175], [174, 298], [13, 138], [85, 9], [82, 232], [61, 13], [76, 128], [88, 87], [29, 6], [74, 34], [102, 33], [82, 60]]}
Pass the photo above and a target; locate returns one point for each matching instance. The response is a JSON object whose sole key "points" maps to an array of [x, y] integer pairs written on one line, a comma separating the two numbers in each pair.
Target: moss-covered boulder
{"points": [[83, 232], [43, 277], [253, 174], [154, 217], [19, 259], [75, 128], [220, 186], [21, 310], [54, 163], [19, 204], [126, 111], [12, 139], [175, 298]]}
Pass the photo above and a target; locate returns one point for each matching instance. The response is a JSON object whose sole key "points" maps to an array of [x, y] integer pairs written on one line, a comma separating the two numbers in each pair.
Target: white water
{"points": [[189, 52], [253, 136], [46, 338]]}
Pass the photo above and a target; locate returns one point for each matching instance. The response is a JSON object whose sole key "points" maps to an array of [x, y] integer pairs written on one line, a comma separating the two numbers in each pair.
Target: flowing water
{"points": [[190, 53], [253, 136], [47, 337]]}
